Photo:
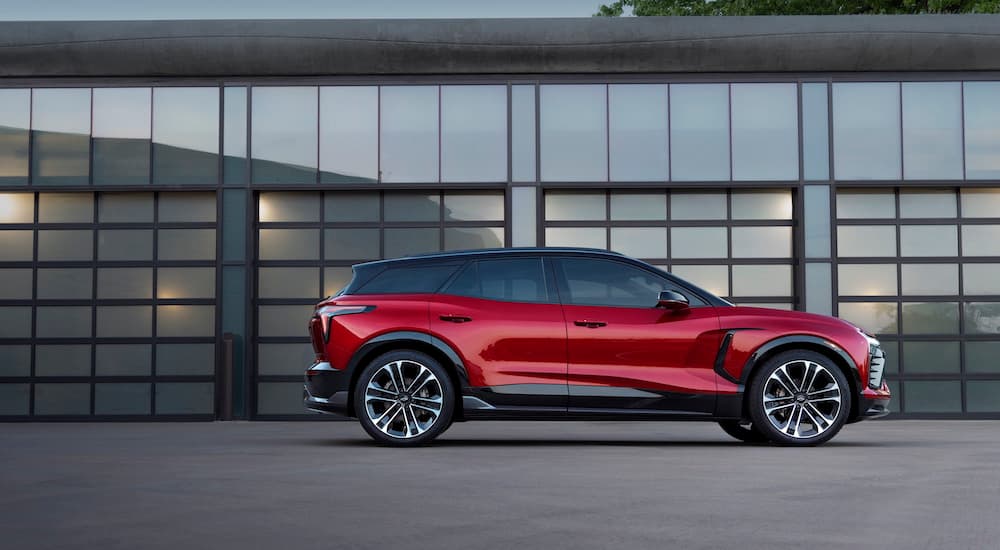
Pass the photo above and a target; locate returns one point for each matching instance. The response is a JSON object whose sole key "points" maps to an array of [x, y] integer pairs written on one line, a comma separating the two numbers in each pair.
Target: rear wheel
{"points": [[744, 432], [404, 398], [799, 398]]}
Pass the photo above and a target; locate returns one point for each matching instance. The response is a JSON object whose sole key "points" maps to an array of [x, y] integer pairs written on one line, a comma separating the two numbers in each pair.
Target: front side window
{"points": [[508, 280], [616, 284]]}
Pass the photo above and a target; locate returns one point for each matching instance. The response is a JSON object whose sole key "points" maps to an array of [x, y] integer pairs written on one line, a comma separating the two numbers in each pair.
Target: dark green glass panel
{"points": [[59, 158], [121, 161]]}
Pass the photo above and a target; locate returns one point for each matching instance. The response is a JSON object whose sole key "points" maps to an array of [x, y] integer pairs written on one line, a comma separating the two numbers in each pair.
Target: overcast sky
{"points": [[82, 10]]}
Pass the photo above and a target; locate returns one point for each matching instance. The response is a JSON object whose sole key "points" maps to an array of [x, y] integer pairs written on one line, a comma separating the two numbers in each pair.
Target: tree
{"points": [[796, 7]]}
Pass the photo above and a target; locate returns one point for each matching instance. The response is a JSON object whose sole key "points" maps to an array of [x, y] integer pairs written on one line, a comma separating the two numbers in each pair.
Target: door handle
{"points": [[590, 324], [455, 318]]}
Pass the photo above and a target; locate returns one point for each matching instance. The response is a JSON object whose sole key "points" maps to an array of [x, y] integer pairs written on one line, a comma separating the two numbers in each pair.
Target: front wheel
{"points": [[799, 398], [746, 432], [404, 398]]}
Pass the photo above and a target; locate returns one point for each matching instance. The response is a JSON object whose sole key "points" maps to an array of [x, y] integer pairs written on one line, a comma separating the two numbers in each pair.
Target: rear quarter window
{"points": [[409, 279]]}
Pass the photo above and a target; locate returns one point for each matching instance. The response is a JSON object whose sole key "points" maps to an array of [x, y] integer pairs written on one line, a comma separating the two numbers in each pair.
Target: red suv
{"points": [[414, 344]]}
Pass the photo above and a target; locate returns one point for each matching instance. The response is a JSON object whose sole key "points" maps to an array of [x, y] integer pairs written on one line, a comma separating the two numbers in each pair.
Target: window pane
{"points": [[575, 206], [473, 133], [64, 284], [60, 123], [819, 288], [280, 398], [866, 280], [765, 131], [351, 207], [877, 318], [574, 137], [234, 138], [185, 282], [289, 244], [61, 322], [698, 242], [14, 399], [288, 207], [866, 131], [185, 359], [510, 280], [982, 395], [412, 207], [282, 320], [113, 399], [15, 120], [699, 132], [415, 279], [288, 282], [982, 318], [283, 359], [816, 200], [587, 237], [187, 207], [866, 204], [891, 351], [928, 240], [409, 134], [980, 279], [762, 280], [186, 135], [17, 207], [62, 360], [15, 284], [713, 278], [125, 244], [698, 206], [932, 130], [982, 130], [930, 357], [348, 138], [15, 360], [125, 283], [406, 242], [982, 356], [121, 136], [815, 132], [283, 135], [336, 278], [762, 242], [174, 321], [638, 206], [65, 207], [62, 399], [866, 240], [185, 398], [981, 240], [640, 242], [638, 128], [762, 205], [927, 204], [123, 360], [610, 283], [980, 203], [351, 244], [125, 208], [928, 279], [186, 244], [53, 245], [523, 133], [124, 321], [523, 216], [12, 322], [936, 396], [930, 318], [487, 206], [469, 238]]}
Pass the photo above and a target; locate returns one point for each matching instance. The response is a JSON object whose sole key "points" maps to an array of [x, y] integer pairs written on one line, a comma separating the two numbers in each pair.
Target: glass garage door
{"points": [[921, 269], [107, 305], [736, 244], [306, 244]]}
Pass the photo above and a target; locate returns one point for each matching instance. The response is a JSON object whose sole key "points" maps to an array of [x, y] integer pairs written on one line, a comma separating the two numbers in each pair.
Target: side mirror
{"points": [[672, 301]]}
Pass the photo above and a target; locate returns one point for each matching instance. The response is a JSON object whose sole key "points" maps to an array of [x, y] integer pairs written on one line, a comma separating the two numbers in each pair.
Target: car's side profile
{"points": [[413, 344]]}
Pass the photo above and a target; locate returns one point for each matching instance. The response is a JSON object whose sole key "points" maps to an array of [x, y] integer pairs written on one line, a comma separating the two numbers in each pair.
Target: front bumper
{"points": [[327, 389], [873, 403]]}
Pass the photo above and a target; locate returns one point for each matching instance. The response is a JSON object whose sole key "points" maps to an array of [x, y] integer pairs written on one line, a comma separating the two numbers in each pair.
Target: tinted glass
{"points": [[53, 245], [469, 238], [980, 203], [509, 280], [866, 132], [348, 134], [187, 207], [407, 242], [283, 141], [121, 136], [640, 242], [929, 203], [522, 116], [565, 206], [409, 280], [15, 284], [610, 283], [186, 134], [867, 280], [65, 207], [234, 137], [60, 123], [574, 133], [932, 130], [636, 206], [765, 132], [473, 133], [125, 208], [817, 220], [699, 132], [698, 242], [15, 117], [352, 207], [409, 133], [762, 280], [713, 278], [63, 284], [982, 141], [17, 207], [762, 205], [866, 203], [698, 206], [815, 132], [587, 237], [981, 240], [279, 206], [638, 129], [473, 206], [186, 244]]}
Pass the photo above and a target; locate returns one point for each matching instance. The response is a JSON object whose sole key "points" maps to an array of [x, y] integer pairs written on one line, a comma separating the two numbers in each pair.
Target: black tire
{"points": [[820, 417], [417, 425], [743, 432]]}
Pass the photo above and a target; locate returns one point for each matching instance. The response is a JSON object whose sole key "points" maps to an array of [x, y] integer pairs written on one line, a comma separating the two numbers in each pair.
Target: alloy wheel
{"points": [[802, 399], [403, 399]]}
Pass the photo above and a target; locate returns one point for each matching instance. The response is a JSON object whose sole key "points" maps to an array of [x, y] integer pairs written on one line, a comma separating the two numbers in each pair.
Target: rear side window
{"points": [[409, 280], [508, 280]]}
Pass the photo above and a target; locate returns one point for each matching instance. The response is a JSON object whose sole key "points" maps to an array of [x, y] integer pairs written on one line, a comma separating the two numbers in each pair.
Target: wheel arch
{"points": [[417, 341], [830, 350]]}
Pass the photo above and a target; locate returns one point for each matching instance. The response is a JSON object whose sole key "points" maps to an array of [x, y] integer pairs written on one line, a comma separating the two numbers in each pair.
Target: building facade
{"points": [[175, 196]]}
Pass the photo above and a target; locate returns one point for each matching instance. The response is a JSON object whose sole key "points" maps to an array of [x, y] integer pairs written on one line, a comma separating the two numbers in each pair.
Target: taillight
{"points": [[319, 325]]}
